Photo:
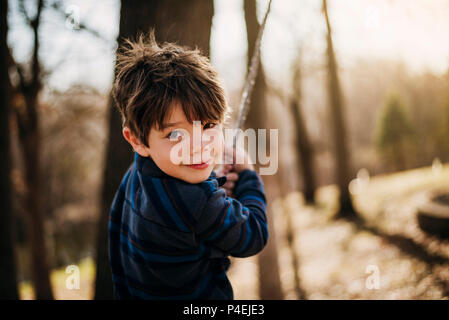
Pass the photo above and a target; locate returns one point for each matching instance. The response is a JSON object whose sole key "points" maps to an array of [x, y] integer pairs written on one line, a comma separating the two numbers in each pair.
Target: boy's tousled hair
{"points": [[151, 78]]}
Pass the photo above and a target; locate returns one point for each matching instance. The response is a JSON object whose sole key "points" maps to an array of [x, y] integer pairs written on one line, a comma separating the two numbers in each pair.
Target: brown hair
{"points": [[150, 78]]}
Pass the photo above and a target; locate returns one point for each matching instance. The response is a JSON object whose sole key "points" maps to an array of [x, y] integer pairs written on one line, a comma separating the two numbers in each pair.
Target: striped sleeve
{"points": [[237, 226]]}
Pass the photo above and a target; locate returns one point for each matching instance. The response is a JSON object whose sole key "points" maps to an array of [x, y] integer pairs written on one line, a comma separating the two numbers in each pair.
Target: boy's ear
{"points": [[138, 146]]}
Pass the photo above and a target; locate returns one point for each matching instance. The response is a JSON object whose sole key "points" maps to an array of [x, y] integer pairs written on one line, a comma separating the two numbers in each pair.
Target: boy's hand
{"points": [[231, 169], [231, 178], [231, 156]]}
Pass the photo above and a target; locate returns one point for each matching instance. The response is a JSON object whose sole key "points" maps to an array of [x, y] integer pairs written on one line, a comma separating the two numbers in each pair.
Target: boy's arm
{"points": [[236, 226]]}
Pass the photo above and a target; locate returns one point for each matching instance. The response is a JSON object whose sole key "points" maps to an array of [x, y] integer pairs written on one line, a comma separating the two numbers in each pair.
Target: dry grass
{"points": [[58, 280]]}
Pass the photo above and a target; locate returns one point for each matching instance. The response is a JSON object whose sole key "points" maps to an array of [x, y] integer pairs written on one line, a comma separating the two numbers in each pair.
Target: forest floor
{"points": [[389, 257], [339, 259]]}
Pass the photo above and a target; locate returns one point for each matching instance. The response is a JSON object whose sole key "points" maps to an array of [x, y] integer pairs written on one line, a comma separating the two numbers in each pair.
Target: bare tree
{"points": [[27, 116], [269, 279], [290, 235], [8, 284], [303, 145], [342, 158], [175, 21]]}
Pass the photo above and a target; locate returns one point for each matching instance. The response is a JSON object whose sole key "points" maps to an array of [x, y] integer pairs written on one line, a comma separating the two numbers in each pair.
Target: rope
{"points": [[251, 79]]}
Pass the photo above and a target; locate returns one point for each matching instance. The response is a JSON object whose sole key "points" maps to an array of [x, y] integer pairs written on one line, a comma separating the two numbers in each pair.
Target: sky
{"points": [[415, 32]]}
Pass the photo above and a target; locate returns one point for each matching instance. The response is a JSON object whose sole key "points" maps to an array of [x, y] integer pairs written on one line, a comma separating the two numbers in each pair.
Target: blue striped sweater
{"points": [[169, 239]]}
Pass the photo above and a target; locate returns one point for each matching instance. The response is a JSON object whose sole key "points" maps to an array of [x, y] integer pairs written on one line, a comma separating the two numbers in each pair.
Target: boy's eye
{"points": [[209, 125], [174, 135]]}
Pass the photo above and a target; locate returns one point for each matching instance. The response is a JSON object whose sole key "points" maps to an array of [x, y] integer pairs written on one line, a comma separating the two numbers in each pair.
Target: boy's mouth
{"points": [[199, 166]]}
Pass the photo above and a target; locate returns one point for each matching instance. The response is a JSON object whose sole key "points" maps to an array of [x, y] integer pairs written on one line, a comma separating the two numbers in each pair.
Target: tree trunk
{"points": [[399, 156], [29, 137], [343, 174], [187, 23], [288, 212], [35, 223], [269, 279], [303, 146], [8, 284]]}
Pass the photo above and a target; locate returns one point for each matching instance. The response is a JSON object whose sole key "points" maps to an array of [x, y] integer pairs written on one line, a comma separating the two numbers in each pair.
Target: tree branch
{"points": [[58, 6], [23, 85], [35, 67], [15, 91], [24, 12]]}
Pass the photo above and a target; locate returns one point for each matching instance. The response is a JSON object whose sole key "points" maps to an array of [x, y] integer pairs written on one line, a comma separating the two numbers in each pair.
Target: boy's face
{"points": [[179, 151]]}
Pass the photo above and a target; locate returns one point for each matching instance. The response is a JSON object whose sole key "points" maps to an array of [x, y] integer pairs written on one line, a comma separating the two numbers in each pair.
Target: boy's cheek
{"points": [[216, 139], [219, 141], [218, 150]]}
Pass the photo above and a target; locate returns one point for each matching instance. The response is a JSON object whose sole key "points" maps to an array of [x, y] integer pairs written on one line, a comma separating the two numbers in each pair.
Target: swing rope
{"points": [[251, 79]]}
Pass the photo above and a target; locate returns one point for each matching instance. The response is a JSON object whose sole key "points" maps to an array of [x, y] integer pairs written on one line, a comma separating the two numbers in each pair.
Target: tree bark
{"points": [[269, 279], [343, 166], [290, 235], [185, 22], [303, 146], [8, 284], [30, 141], [29, 137]]}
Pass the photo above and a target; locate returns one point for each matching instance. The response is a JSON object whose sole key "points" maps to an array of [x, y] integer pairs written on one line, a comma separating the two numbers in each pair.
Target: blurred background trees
{"points": [[338, 125], [304, 148], [395, 133], [442, 140], [332, 105], [269, 279], [25, 108]]}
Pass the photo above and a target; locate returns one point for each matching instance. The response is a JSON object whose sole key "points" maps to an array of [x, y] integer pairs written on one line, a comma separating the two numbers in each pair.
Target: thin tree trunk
{"points": [[290, 235], [338, 126], [303, 146], [269, 279], [399, 158], [8, 284], [187, 23], [35, 224]]}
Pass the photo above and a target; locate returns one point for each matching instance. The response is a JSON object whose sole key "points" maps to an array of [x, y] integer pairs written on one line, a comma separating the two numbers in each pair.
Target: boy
{"points": [[172, 225]]}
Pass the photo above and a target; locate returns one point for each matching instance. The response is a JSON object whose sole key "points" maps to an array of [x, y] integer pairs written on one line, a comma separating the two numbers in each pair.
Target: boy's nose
{"points": [[199, 146]]}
